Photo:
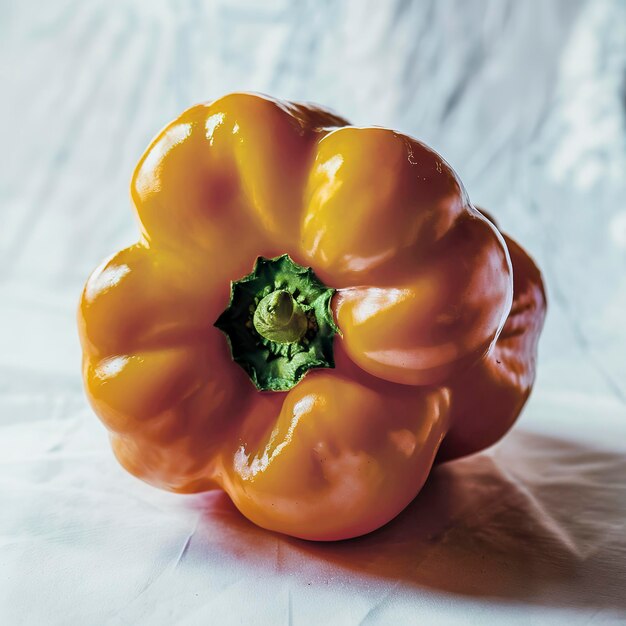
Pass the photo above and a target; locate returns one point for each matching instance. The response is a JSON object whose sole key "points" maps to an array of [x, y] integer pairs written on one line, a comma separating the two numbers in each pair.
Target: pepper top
{"points": [[279, 324]]}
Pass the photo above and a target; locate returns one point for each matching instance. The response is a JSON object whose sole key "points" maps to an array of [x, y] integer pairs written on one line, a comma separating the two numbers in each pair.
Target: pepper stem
{"points": [[278, 317], [279, 323]]}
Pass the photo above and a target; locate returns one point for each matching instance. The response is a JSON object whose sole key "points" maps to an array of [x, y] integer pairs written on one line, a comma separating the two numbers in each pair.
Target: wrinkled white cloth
{"points": [[525, 100]]}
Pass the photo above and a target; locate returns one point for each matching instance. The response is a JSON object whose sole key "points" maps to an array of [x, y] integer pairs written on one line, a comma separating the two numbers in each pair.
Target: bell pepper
{"points": [[313, 316]]}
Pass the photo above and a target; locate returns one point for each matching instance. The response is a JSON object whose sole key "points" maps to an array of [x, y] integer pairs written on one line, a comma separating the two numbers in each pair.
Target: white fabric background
{"points": [[525, 100]]}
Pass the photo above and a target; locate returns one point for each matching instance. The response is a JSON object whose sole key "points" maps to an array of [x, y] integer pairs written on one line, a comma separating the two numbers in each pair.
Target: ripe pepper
{"points": [[314, 314]]}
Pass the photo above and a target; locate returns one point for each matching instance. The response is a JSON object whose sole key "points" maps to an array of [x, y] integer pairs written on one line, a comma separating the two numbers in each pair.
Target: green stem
{"points": [[279, 323], [278, 317]]}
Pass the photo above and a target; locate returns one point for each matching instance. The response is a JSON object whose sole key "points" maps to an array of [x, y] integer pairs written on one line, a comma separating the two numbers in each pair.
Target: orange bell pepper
{"points": [[317, 399]]}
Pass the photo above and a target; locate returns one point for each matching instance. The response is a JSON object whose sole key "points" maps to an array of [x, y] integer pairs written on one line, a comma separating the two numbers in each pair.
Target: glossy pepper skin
{"points": [[439, 316]]}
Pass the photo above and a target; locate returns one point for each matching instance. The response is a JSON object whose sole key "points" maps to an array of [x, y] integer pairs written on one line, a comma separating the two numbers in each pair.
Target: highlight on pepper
{"points": [[314, 315]]}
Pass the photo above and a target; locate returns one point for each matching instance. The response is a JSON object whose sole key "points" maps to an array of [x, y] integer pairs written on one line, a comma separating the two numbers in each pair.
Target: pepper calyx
{"points": [[279, 323]]}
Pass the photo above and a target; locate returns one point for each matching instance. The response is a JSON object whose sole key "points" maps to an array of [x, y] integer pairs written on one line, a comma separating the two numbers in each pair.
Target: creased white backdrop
{"points": [[525, 99]]}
